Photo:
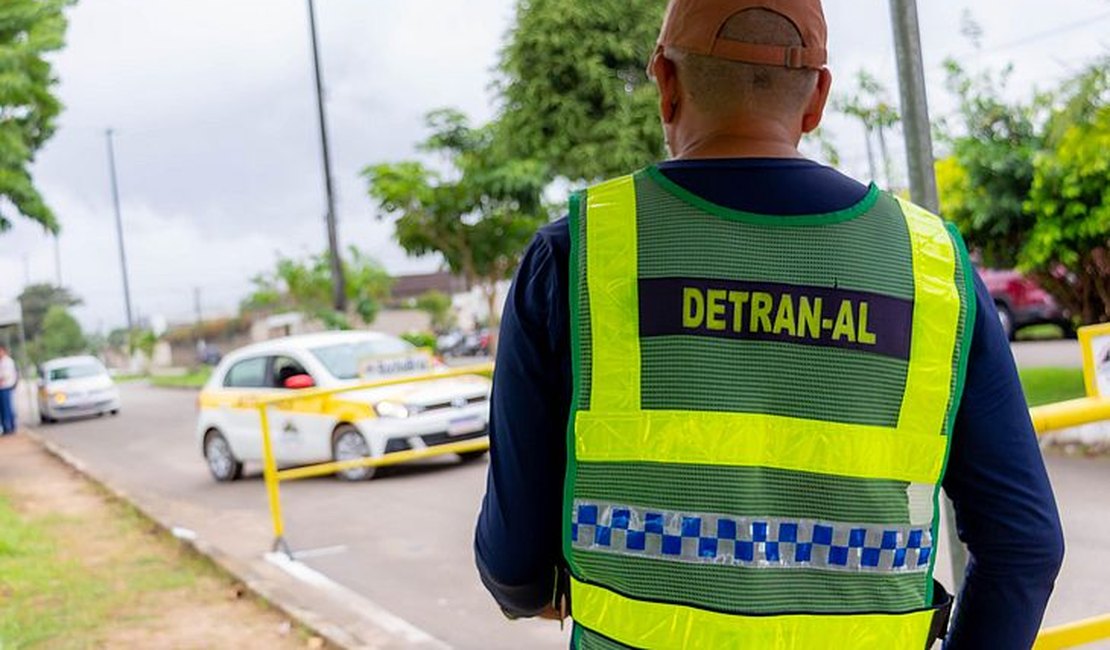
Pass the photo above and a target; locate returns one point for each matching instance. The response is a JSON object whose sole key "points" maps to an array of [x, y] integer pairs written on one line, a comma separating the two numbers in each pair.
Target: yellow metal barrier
{"points": [[1074, 634], [1074, 413], [273, 476], [1046, 419]]}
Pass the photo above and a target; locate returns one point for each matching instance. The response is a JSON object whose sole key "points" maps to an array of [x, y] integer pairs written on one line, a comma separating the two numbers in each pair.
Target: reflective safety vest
{"points": [[761, 418]]}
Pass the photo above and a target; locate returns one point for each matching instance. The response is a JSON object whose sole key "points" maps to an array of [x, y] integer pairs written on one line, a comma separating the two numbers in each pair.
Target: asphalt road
{"points": [[403, 540]]}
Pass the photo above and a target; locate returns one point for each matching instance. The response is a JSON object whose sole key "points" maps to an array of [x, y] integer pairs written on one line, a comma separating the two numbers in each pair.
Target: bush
{"points": [[421, 339]]}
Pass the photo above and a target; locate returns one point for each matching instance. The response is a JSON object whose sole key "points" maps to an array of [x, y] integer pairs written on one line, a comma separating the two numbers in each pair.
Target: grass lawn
{"points": [[191, 379], [1050, 385], [80, 570]]}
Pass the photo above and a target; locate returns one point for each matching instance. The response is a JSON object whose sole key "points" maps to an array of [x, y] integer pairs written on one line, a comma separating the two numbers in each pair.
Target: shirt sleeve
{"points": [[1005, 510], [517, 539]]}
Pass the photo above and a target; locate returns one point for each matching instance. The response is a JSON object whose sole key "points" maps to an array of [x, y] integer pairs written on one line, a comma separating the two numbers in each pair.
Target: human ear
{"points": [[666, 79], [815, 110]]}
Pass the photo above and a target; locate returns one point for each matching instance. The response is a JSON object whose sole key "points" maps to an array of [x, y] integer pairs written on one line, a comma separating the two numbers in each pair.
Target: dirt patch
{"points": [[92, 572]]}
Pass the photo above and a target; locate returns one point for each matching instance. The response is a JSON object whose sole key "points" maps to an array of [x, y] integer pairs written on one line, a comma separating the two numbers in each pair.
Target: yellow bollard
{"points": [[270, 474]]}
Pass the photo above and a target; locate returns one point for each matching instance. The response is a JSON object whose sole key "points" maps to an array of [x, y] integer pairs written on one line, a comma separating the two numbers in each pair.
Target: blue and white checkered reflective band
{"points": [[758, 542]]}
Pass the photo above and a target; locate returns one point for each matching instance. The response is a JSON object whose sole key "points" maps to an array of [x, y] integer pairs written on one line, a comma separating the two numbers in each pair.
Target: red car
{"points": [[1021, 302]]}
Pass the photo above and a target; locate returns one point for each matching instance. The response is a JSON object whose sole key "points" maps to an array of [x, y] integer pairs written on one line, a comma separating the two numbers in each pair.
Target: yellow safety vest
{"points": [[761, 419]]}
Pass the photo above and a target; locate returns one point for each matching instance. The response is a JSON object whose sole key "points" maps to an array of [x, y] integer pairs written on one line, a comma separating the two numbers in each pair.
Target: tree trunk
{"points": [[489, 287]]}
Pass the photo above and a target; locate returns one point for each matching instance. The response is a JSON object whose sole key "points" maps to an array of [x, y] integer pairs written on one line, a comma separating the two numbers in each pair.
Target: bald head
{"points": [[725, 89]]}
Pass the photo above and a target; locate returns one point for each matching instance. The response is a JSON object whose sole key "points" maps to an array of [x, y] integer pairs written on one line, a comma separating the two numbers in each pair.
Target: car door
{"points": [[245, 382], [301, 429]]}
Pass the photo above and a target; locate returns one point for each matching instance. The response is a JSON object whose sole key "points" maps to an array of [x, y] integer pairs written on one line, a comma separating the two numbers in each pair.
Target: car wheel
{"points": [[349, 444], [471, 456], [1006, 319], [114, 412], [222, 463]]}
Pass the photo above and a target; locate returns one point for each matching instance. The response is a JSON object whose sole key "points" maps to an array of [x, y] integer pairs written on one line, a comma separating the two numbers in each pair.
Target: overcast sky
{"points": [[217, 147]]}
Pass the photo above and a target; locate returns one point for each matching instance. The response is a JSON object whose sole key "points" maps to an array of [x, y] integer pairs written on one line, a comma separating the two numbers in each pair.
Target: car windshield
{"points": [[76, 371], [344, 359]]}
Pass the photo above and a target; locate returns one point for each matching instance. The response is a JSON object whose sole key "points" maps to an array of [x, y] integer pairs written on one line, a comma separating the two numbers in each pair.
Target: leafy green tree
{"points": [[574, 86], [870, 104], [993, 149], [37, 299], [438, 307], [1069, 244], [29, 31], [479, 215], [61, 336], [305, 285]]}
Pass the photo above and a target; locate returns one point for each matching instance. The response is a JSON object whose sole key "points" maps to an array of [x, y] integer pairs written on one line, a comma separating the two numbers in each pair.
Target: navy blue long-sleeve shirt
{"points": [[1005, 510]]}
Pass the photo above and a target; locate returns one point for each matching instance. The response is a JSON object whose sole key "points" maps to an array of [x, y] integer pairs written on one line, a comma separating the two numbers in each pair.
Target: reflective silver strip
{"points": [[759, 542]]}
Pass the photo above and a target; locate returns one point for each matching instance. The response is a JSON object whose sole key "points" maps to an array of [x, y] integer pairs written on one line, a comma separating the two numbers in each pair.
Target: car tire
{"points": [[348, 443], [1006, 320], [222, 463], [471, 456], [113, 412]]}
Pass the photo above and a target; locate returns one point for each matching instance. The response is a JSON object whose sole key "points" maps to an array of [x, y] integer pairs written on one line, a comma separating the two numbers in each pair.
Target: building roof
{"points": [[412, 286]]}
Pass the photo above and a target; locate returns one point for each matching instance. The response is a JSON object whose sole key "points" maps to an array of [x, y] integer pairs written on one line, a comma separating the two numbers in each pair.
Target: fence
{"points": [[273, 476]]}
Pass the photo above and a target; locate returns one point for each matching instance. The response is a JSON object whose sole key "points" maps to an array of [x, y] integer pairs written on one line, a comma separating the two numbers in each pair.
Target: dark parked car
{"points": [[1021, 302]]}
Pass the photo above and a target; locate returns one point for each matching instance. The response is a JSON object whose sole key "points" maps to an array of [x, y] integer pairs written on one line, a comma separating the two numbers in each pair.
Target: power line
{"points": [[1032, 38]]}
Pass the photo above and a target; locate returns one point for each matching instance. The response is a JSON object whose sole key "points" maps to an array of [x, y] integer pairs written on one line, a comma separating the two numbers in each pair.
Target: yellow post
{"points": [[1074, 634], [1064, 415], [270, 474]]}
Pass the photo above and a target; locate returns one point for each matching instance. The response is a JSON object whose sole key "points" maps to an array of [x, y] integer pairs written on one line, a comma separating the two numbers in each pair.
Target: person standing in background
{"points": [[9, 377]]}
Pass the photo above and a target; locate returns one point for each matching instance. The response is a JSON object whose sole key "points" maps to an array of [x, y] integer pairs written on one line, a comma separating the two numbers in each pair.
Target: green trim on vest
{"points": [[577, 272]]}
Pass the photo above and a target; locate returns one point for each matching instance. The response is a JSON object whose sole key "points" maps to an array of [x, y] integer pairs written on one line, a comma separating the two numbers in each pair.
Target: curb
{"points": [[261, 586]]}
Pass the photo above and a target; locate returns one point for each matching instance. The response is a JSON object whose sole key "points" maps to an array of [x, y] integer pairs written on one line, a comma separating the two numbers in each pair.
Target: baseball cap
{"points": [[695, 26]]}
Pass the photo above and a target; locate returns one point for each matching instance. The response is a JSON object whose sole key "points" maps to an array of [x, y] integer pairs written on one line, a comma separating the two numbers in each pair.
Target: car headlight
{"points": [[392, 410], [59, 397]]}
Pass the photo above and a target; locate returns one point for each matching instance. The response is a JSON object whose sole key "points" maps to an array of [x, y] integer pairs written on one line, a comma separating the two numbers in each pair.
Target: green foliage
{"points": [[574, 86], [144, 341], [438, 306], [305, 285], [1052, 385], [1029, 184], [37, 299], [479, 216], [192, 379], [870, 104], [61, 336], [994, 151], [1070, 200], [29, 30], [425, 340]]}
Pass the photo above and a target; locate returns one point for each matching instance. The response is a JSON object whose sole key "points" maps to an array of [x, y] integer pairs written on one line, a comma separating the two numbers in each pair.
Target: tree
{"points": [[479, 216], [1069, 244], [61, 336], [305, 285], [574, 87], [870, 104], [37, 299], [29, 30], [438, 307], [994, 151]]}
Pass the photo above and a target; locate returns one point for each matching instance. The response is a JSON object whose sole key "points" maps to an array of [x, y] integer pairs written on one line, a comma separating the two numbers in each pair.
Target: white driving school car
{"points": [[344, 426]]}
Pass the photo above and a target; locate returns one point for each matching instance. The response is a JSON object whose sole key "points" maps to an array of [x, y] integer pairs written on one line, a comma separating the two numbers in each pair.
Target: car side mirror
{"points": [[299, 382]]}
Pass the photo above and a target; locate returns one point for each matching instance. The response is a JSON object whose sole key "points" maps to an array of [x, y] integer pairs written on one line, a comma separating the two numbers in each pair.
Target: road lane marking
{"points": [[386, 620]]}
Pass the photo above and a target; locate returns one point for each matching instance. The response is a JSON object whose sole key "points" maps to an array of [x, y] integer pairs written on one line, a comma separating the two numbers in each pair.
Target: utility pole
{"points": [[338, 282], [915, 107], [119, 232], [57, 260], [923, 180]]}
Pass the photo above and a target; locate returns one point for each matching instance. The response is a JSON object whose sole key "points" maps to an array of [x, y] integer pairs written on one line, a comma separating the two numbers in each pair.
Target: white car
{"points": [[74, 387], [345, 426]]}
